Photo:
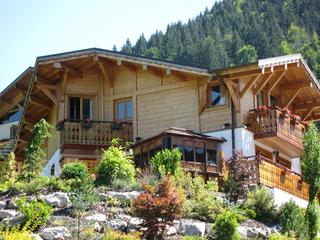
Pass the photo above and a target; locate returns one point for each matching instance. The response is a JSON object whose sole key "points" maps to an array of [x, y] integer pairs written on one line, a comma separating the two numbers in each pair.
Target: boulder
{"points": [[192, 227], [242, 231], [58, 199], [36, 237], [209, 230], [98, 227], [134, 224], [98, 217], [7, 213], [170, 231], [11, 204], [117, 224], [124, 196], [3, 204], [55, 233], [125, 217], [13, 221]]}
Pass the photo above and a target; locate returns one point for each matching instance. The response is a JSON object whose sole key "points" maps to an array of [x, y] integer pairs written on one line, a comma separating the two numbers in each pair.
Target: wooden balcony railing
{"points": [[99, 133], [273, 122], [274, 175]]}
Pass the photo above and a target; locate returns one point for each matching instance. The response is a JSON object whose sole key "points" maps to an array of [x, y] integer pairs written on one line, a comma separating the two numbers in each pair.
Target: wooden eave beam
{"points": [[307, 114], [48, 86], [263, 83], [39, 103], [105, 74], [72, 70], [49, 94], [275, 82], [179, 75], [233, 92], [292, 97], [249, 84]]}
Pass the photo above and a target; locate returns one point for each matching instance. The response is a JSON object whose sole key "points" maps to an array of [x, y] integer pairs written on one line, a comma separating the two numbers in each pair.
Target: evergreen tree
{"points": [[246, 54], [127, 47]]}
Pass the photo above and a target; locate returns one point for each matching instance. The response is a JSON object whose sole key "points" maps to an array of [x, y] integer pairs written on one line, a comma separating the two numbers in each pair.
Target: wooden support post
{"points": [[249, 85], [234, 96], [292, 97], [263, 83], [49, 94]]}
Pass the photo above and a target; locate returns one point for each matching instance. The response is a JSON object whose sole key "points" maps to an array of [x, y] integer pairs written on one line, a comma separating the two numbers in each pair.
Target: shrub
{"points": [[241, 174], [212, 186], [225, 227], [193, 238], [117, 235], [292, 220], [260, 200], [158, 207], [16, 234], [75, 170], [200, 204], [8, 169], [36, 212], [166, 162], [122, 185], [115, 164], [275, 236]]}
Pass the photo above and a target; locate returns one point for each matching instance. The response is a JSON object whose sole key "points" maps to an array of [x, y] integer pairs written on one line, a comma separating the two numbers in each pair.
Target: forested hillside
{"points": [[239, 31]]}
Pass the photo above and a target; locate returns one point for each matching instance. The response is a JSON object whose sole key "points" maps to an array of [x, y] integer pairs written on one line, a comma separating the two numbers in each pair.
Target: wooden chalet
{"points": [[94, 95]]}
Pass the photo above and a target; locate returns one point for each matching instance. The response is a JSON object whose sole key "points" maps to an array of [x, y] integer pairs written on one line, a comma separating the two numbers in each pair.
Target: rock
{"points": [[252, 233], [192, 227], [12, 221], [55, 233], [170, 231], [242, 231], [134, 224], [117, 224], [58, 199], [98, 217], [7, 213], [209, 230], [36, 237], [125, 217], [124, 196], [98, 227], [11, 204], [3, 204]]}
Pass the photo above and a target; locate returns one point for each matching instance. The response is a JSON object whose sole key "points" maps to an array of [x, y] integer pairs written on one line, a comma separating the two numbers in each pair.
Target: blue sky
{"points": [[40, 27]]}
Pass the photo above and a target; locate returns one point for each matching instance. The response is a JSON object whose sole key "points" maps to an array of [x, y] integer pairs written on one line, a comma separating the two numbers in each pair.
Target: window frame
{"points": [[81, 97], [124, 100], [209, 99]]}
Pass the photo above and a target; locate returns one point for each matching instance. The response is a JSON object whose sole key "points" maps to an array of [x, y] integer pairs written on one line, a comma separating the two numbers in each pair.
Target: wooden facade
{"points": [[136, 98]]}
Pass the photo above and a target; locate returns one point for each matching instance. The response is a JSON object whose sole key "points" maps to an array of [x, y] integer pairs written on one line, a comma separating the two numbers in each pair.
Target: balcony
{"points": [[277, 129], [93, 133], [272, 174]]}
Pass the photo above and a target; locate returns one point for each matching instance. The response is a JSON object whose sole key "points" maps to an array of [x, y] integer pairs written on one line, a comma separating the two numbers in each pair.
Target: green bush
{"points": [[193, 238], [115, 164], [225, 227], [166, 162], [261, 201], [117, 235], [275, 236], [75, 170], [212, 185], [36, 212], [123, 185], [201, 203], [292, 220]]}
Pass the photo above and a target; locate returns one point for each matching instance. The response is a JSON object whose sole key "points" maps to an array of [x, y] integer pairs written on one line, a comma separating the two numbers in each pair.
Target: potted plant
{"points": [[285, 112], [262, 110], [116, 126], [295, 119], [59, 125], [86, 124]]}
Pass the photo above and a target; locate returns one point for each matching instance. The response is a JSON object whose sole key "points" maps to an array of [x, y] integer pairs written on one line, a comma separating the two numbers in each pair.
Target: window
{"points": [[260, 99], [123, 110], [211, 157], [188, 154], [166, 142], [200, 156], [217, 95], [80, 108]]}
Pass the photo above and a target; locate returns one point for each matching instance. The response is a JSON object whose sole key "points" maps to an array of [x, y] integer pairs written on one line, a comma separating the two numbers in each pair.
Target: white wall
{"points": [[244, 141], [296, 165], [54, 160], [280, 197], [5, 130]]}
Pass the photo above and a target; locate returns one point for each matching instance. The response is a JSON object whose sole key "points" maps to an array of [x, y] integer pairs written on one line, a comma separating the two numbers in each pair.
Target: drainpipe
{"points": [[233, 125]]}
